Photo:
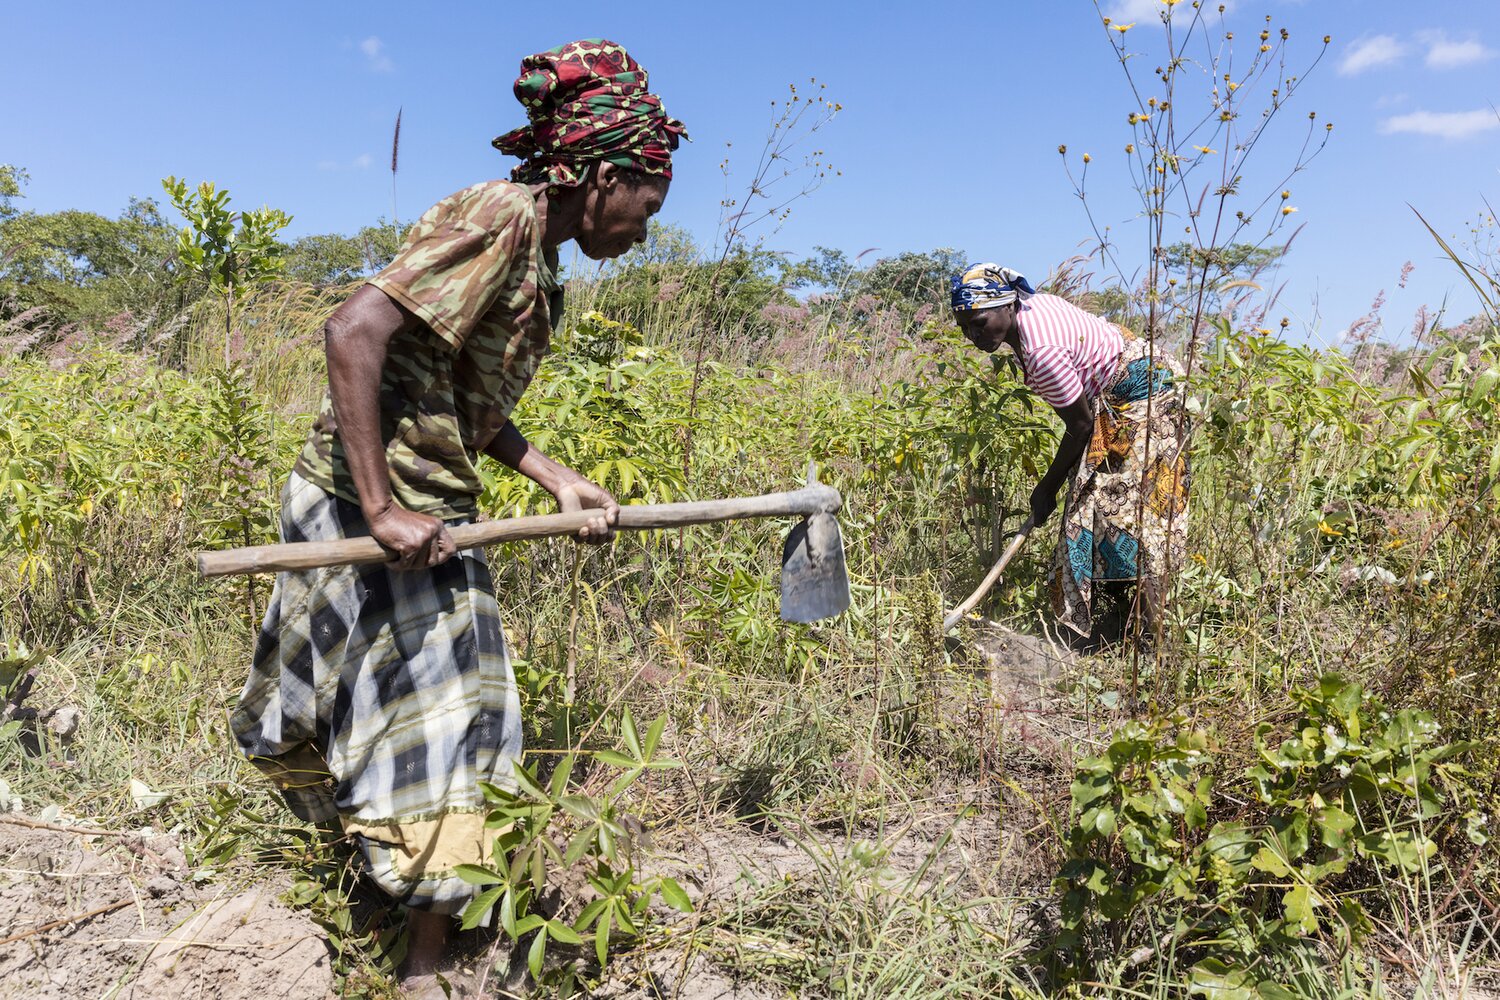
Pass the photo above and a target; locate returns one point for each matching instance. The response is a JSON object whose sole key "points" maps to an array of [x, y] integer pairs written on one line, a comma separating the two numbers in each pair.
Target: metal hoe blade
{"points": [[814, 580]]}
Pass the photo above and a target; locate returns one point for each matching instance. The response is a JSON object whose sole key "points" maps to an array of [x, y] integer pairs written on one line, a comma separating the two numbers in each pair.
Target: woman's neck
{"points": [[1013, 337], [558, 213]]}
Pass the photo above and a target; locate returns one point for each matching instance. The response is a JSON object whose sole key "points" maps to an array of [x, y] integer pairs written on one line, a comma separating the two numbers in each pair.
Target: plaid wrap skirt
{"points": [[379, 700]]}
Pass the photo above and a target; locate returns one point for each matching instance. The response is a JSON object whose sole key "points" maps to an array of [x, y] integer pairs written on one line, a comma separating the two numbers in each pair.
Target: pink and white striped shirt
{"points": [[1066, 353]]}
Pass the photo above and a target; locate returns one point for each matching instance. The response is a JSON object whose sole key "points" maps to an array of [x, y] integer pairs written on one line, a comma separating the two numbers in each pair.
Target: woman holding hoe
{"points": [[1123, 450], [381, 696]]}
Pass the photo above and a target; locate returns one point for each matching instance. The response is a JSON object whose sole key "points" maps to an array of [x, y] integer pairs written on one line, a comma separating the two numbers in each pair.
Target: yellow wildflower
{"points": [[1288, 210], [1122, 28], [1205, 150]]}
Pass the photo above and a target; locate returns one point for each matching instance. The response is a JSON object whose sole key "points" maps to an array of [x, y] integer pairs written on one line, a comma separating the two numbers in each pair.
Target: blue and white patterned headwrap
{"points": [[984, 286]]}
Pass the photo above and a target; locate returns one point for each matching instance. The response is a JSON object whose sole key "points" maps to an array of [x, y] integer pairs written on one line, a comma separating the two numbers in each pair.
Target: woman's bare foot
{"points": [[426, 946], [425, 987]]}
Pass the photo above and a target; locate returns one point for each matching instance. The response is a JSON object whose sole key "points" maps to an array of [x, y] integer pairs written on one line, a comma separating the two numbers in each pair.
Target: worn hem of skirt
{"points": [[432, 847], [420, 845]]}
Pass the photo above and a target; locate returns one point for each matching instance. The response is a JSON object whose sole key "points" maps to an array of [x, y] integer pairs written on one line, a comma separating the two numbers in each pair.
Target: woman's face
{"points": [[616, 210], [987, 329]]}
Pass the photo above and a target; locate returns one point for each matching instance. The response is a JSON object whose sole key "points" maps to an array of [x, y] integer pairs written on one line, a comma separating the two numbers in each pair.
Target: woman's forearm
{"points": [[1078, 430], [1069, 450], [510, 448]]}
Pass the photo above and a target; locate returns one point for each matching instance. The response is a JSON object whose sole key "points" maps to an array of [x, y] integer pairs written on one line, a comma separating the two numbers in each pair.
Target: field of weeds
{"points": [[1291, 794]]}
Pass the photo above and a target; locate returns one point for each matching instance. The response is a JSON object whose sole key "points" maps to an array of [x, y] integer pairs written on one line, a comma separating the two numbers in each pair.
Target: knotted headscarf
{"points": [[984, 286], [587, 101]]}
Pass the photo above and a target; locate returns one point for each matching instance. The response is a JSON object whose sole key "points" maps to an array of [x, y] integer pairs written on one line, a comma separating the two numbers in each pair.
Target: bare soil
{"points": [[117, 918]]}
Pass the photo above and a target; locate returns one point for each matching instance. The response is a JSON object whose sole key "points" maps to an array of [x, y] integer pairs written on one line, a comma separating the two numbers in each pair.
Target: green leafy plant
{"points": [[1248, 899], [547, 830]]}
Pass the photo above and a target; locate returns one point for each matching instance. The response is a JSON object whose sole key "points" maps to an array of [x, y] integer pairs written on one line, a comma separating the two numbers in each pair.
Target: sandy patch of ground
{"points": [[116, 918]]}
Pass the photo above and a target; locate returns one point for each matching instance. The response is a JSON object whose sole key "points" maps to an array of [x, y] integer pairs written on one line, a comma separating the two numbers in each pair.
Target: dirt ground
{"points": [[117, 917]]}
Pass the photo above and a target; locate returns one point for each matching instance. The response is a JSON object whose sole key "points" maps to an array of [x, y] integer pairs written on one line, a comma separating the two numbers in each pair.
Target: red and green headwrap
{"points": [[588, 101]]}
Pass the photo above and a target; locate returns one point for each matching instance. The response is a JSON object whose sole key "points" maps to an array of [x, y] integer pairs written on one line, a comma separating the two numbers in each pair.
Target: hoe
{"points": [[814, 580]]}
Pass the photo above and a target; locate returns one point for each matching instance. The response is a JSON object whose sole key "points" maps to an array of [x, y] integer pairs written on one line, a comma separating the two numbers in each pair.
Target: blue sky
{"points": [[948, 138]]}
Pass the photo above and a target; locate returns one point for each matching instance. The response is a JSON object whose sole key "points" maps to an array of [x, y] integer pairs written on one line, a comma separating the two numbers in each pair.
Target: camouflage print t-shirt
{"points": [[474, 271]]}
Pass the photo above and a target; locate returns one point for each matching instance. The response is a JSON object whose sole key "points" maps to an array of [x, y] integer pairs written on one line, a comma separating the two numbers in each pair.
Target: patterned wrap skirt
{"points": [[1125, 517], [379, 700]]}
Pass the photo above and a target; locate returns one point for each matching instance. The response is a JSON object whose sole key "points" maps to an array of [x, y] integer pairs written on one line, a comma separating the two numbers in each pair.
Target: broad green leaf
{"points": [[1299, 902], [674, 895], [1266, 860], [536, 955], [627, 730], [559, 931], [589, 914], [527, 781], [579, 807], [653, 736], [601, 936], [478, 908], [476, 874], [615, 759]]}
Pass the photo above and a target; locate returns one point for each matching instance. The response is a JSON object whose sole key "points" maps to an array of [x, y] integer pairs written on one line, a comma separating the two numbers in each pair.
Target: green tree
{"points": [[669, 270], [1242, 260], [83, 267], [335, 259], [12, 180], [913, 279], [831, 270], [227, 249]]}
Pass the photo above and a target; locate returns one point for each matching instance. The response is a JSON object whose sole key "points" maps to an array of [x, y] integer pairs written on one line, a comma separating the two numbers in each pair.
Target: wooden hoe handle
{"points": [[957, 614], [364, 550]]}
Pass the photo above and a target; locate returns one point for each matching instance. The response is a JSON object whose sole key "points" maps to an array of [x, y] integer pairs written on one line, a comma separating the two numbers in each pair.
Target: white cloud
{"points": [[1448, 53], [360, 162], [1444, 124], [374, 50], [1367, 53], [1125, 11], [1148, 12]]}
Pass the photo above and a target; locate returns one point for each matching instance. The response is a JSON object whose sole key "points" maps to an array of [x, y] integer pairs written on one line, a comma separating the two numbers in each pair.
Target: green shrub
{"points": [[1252, 891]]}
